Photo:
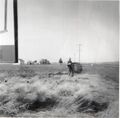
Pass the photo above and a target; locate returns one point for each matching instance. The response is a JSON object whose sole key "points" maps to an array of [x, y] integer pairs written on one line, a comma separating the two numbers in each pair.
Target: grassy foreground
{"points": [[47, 91]]}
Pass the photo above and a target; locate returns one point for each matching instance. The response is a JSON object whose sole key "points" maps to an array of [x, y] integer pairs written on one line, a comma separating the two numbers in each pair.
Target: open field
{"points": [[47, 91]]}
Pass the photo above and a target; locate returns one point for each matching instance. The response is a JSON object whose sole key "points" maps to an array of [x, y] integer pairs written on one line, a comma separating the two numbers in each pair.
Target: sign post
{"points": [[15, 29]]}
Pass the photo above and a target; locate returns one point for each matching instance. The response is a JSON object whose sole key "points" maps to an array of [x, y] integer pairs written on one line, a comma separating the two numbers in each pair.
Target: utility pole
{"points": [[74, 57], [79, 51], [15, 10]]}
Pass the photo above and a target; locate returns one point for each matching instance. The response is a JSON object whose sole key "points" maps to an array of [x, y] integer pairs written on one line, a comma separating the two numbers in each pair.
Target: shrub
{"points": [[60, 61], [44, 61], [77, 67]]}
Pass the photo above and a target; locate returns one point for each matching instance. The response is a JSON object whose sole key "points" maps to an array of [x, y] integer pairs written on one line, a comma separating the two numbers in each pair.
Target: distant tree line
{"points": [[42, 61]]}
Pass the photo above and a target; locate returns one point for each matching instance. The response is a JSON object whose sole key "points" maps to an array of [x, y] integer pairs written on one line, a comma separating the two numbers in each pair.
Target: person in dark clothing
{"points": [[70, 67]]}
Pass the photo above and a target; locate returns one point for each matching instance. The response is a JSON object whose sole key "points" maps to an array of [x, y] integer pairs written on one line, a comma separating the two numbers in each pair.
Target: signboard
{"points": [[7, 54], [7, 32]]}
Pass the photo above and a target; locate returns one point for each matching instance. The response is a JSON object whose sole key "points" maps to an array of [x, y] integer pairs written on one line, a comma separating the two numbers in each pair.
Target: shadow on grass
{"points": [[89, 106], [37, 105]]}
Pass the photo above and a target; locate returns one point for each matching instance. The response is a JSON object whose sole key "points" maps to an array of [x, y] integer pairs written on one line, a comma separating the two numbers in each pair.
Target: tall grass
{"points": [[82, 94]]}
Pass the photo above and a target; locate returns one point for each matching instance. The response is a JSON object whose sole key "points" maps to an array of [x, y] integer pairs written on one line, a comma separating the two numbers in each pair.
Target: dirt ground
{"points": [[47, 91]]}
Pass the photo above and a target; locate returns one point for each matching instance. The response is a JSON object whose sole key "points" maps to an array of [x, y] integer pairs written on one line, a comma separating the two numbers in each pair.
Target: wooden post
{"points": [[5, 26], [15, 10]]}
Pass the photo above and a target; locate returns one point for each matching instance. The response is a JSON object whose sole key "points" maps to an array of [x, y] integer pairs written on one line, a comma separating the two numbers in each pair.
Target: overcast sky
{"points": [[53, 28]]}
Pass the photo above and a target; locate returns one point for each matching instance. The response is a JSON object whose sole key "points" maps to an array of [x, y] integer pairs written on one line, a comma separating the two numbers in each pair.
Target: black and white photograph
{"points": [[59, 58]]}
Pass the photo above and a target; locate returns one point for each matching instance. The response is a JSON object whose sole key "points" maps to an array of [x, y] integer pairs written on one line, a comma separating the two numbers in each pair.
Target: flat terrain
{"points": [[47, 91]]}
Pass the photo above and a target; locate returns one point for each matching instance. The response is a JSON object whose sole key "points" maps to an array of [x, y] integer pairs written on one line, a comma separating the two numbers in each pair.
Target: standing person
{"points": [[70, 67]]}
